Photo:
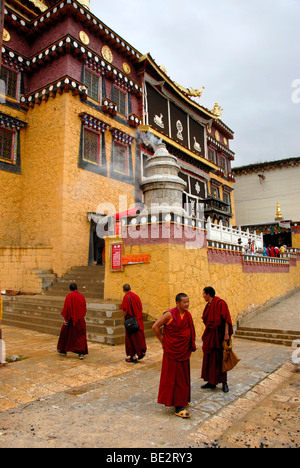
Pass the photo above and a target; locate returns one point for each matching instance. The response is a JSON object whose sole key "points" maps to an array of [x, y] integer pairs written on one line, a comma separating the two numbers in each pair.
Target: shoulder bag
{"points": [[131, 325]]}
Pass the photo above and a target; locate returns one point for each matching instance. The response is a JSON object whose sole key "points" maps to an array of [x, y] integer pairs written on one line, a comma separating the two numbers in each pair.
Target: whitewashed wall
{"points": [[256, 199]]}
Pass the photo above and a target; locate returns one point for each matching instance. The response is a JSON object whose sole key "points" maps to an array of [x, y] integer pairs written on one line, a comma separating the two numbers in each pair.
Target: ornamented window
{"points": [[8, 147], [93, 82], [121, 165], [227, 197], [121, 99], [10, 83], [120, 158], [223, 163], [92, 155], [92, 146], [215, 192], [212, 155], [10, 159]]}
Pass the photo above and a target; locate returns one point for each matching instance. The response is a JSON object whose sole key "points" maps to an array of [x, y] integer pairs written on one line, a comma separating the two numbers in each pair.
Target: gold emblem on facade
{"points": [[126, 68], [6, 35], [107, 54], [84, 38]]}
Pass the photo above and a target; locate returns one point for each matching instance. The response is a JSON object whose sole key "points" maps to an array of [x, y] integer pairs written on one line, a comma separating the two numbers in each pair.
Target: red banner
{"points": [[116, 257]]}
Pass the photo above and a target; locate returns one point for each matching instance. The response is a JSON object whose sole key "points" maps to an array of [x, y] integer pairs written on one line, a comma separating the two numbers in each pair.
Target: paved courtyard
{"points": [[50, 401]]}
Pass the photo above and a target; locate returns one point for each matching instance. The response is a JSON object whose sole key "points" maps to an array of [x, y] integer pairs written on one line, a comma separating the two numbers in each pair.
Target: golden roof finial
{"points": [[217, 110], [278, 213]]}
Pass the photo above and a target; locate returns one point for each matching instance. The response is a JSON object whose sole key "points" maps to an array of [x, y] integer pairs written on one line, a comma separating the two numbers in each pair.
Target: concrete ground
{"points": [[50, 401]]}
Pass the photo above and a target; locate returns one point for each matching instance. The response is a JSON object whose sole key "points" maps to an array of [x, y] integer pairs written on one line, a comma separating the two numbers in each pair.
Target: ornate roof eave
{"points": [[69, 44], [147, 58], [71, 7], [26, 9]]}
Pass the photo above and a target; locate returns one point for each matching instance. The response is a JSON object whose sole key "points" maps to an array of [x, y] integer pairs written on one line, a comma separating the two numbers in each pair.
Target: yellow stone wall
{"points": [[84, 191], [47, 204], [296, 241], [11, 196], [18, 267], [174, 269]]}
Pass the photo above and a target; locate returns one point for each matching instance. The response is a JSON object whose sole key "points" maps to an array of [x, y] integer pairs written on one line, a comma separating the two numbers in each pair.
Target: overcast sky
{"points": [[245, 52]]}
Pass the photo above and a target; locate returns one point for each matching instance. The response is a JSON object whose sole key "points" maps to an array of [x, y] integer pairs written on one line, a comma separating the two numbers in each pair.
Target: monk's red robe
{"points": [[179, 341], [135, 343], [73, 336], [214, 317]]}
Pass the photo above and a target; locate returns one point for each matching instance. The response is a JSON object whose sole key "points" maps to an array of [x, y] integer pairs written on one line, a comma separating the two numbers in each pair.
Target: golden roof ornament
{"points": [[86, 3], [278, 213], [163, 69], [40, 4], [217, 111], [190, 91]]}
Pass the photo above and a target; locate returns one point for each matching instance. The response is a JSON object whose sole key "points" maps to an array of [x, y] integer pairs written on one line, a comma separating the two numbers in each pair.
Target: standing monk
{"points": [[135, 344], [73, 333], [218, 323], [178, 341]]}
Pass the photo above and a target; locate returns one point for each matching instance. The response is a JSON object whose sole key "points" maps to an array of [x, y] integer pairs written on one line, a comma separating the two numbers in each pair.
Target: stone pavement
{"points": [[50, 401], [285, 315]]}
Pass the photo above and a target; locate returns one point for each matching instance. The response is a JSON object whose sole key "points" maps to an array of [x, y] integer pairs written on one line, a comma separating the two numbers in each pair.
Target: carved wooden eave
{"points": [[35, 26], [28, 10], [67, 45], [149, 64]]}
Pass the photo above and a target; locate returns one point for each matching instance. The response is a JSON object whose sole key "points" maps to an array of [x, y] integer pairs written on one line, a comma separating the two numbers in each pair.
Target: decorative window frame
{"points": [[95, 73], [13, 126], [98, 127], [3, 95], [121, 89], [16, 64], [127, 141]]}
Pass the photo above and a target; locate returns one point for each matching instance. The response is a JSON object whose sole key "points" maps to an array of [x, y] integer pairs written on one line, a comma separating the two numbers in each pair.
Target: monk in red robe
{"points": [[178, 341], [218, 328], [135, 344], [73, 333]]}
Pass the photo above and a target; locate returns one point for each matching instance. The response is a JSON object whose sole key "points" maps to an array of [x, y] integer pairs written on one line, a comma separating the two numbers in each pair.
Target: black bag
{"points": [[131, 325]]}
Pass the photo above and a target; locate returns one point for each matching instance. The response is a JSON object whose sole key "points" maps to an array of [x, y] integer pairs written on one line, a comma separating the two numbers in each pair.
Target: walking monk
{"points": [[178, 341], [135, 344], [73, 333], [218, 328]]}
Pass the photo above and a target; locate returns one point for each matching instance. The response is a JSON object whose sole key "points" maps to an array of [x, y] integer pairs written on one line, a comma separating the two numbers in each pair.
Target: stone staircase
{"points": [[264, 335], [42, 312], [90, 282]]}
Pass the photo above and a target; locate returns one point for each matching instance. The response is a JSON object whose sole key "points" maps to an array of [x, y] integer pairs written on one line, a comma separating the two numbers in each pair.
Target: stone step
{"points": [[80, 281], [57, 302], [89, 272], [39, 313], [43, 312], [269, 330], [103, 335], [280, 337], [89, 293], [31, 315]]}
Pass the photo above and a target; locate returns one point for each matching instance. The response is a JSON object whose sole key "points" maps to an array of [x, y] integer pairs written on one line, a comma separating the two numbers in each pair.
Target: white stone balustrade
{"points": [[220, 233]]}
